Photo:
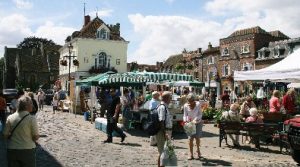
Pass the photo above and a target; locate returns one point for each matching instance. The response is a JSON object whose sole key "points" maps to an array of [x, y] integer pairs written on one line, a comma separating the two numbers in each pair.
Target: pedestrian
{"points": [[246, 107], [41, 98], [192, 113], [154, 102], [2, 110], [289, 101], [274, 102], [22, 132], [126, 103], [232, 116], [166, 124], [14, 102], [55, 102], [35, 105], [113, 117]]}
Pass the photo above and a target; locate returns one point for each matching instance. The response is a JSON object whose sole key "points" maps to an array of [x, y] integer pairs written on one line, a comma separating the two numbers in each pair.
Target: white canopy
{"points": [[287, 70], [293, 85]]}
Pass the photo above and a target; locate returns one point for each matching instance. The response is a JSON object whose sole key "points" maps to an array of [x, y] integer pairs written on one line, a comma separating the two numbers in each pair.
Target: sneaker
{"points": [[107, 141], [123, 138]]}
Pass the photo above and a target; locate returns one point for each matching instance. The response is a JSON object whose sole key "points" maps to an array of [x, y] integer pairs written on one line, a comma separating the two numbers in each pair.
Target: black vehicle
{"points": [[10, 94], [49, 93], [294, 138]]}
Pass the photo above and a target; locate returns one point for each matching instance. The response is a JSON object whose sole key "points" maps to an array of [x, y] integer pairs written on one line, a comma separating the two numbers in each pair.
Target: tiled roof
{"points": [[279, 34], [90, 30], [172, 60], [252, 30], [211, 50]]}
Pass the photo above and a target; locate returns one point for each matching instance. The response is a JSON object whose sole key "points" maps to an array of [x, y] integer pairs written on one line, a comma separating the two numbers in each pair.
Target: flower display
{"points": [[76, 62], [63, 62]]}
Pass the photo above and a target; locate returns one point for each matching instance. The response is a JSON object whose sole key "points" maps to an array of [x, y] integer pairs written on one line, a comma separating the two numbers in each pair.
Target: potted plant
{"points": [[63, 62], [76, 62]]}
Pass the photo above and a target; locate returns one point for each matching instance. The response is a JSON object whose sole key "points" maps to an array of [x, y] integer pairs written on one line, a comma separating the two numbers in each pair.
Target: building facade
{"points": [[239, 52], [96, 48]]}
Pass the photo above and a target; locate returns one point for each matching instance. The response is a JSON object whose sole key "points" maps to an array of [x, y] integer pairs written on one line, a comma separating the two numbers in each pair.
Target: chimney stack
{"points": [[87, 19], [199, 50], [209, 45]]}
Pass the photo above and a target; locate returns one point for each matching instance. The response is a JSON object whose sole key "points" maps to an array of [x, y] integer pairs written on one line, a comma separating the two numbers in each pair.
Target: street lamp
{"points": [[70, 47]]}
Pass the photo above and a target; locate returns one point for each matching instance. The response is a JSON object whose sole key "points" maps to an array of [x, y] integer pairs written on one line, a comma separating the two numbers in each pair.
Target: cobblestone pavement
{"points": [[70, 141]]}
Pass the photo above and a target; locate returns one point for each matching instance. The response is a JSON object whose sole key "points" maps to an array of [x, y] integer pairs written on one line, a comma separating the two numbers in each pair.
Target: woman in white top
{"points": [[193, 113]]}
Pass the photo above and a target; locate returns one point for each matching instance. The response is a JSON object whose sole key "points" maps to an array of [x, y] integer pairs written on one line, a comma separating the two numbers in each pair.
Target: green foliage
{"points": [[208, 113], [218, 114], [35, 42]]}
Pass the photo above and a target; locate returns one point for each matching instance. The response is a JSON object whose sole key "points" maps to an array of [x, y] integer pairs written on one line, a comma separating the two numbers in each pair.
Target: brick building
{"points": [[239, 51]]}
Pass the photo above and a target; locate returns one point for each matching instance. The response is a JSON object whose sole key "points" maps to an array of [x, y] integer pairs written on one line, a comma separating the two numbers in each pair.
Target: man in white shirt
{"points": [[166, 123], [154, 102]]}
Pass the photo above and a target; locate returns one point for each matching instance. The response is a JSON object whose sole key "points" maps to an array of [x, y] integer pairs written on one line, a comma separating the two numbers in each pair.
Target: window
{"points": [[267, 54], [245, 49], [276, 52], [86, 60], [211, 60], [118, 62], [226, 70], [102, 34], [260, 55], [225, 52], [247, 66]]}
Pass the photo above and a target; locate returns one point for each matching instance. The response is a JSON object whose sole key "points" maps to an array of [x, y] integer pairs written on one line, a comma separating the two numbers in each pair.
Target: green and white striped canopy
{"points": [[166, 76], [132, 78]]}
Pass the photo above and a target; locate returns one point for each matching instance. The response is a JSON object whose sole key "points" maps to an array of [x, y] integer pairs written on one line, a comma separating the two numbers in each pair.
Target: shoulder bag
{"points": [[11, 133]]}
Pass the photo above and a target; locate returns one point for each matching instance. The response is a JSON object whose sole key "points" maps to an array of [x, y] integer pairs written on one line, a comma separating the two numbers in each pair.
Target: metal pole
{"points": [[69, 79]]}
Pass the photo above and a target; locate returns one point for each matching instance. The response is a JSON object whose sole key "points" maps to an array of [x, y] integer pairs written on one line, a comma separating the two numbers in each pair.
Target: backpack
{"points": [[153, 126]]}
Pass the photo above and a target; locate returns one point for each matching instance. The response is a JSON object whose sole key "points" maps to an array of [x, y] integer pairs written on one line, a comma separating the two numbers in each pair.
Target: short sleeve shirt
{"points": [[23, 134], [114, 103], [163, 116]]}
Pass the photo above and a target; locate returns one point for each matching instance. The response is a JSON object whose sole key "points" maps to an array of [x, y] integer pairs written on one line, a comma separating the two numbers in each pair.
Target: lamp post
{"points": [[70, 48]]}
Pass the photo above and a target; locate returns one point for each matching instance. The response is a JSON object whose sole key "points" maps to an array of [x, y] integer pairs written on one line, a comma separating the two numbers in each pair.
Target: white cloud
{"points": [[22, 4], [269, 14], [13, 29], [102, 13], [162, 36], [54, 32]]}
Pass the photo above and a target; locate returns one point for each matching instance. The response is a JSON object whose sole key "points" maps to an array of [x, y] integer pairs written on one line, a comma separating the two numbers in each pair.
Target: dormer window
{"points": [[102, 34], [211, 60], [260, 55], [245, 49], [225, 52]]}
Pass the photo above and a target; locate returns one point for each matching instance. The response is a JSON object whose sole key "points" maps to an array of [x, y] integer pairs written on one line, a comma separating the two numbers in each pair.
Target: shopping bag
{"points": [[189, 128], [153, 141], [168, 156]]}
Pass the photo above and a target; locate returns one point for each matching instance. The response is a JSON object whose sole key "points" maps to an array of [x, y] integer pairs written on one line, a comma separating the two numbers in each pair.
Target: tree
{"points": [[35, 42]]}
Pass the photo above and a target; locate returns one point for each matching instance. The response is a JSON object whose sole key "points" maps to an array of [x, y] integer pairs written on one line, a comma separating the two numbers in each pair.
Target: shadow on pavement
{"points": [[129, 144], [262, 149], [214, 162], [44, 158]]}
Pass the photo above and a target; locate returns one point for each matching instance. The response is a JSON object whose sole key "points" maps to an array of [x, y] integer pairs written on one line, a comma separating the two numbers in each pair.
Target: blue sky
{"points": [[155, 29]]}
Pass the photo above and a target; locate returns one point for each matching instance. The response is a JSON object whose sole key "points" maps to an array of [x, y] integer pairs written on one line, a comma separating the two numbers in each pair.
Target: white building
{"points": [[97, 47]]}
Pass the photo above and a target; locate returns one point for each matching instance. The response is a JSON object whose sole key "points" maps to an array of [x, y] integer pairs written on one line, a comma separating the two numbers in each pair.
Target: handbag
{"points": [[11, 133]]}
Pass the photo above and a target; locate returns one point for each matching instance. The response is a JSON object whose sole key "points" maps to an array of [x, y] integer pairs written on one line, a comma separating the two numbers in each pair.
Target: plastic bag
{"points": [[168, 156], [189, 128], [153, 141]]}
